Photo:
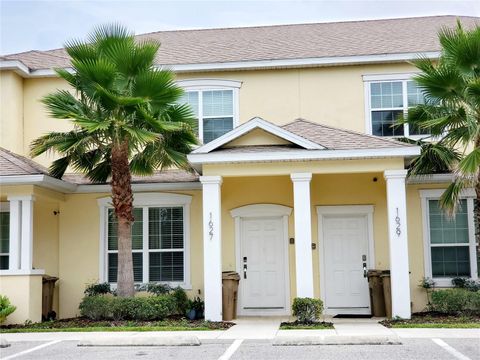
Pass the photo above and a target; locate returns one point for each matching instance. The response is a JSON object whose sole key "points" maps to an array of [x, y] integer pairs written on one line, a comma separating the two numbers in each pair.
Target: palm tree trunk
{"points": [[122, 198]]}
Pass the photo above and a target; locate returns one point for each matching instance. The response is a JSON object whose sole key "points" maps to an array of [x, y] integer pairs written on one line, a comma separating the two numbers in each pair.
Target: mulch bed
{"points": [[433, 317], [300, 325], [81, 322]]}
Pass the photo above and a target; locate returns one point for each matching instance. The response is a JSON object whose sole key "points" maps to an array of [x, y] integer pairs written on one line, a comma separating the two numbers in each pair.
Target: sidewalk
{"points": [[265, 329]]}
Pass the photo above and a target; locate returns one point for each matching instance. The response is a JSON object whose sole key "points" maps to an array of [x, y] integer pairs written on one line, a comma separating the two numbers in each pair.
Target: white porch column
{"points": [[398, 242], [15, 233], [212, 247], [26, 256], [303, 233]]}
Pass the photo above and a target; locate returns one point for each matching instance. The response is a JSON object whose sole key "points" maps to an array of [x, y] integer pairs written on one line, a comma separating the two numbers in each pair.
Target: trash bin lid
{"points": [[230, 275], [385, 273], [374, 272], [46, 278]]}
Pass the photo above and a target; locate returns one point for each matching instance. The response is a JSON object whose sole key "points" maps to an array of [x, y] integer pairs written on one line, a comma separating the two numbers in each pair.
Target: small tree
{"points": [[126, 121], [451, 112]]}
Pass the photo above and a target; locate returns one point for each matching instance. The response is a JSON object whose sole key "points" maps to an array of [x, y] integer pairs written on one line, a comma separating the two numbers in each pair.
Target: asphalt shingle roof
{"points": [[14, 164], [280, 42]]}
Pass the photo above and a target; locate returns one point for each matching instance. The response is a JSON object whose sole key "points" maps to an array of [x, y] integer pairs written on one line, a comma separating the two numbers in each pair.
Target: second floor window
{"points": [[214, 110], [214, 103], [388, 100]]}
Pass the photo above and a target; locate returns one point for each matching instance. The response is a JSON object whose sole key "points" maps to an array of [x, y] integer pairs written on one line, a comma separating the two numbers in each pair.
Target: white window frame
{"points": [[5, 207], [378, 78], [146, 201], [435, 194], [201, 85]]}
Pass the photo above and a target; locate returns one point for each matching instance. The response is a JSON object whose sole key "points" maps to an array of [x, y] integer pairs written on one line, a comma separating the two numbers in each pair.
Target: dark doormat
{"points": [[352, 316]]}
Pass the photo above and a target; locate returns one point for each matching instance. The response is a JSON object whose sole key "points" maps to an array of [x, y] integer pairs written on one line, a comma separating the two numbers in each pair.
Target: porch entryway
{"points": [[261, 243], [346, 252]]}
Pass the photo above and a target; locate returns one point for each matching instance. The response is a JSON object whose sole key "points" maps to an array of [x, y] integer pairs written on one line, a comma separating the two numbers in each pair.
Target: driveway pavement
{"points": [[438, 349]]}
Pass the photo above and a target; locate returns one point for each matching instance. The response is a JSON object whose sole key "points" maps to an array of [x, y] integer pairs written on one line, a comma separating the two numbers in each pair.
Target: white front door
{"points": [[345, 251], [263, 264]]}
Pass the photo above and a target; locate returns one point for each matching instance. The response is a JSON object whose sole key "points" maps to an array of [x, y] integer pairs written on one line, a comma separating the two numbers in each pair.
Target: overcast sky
{"points": [[45, 24]]}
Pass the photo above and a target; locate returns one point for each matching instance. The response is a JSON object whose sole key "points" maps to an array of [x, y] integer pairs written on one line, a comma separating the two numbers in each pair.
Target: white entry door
{"points": [[263, 282], [345, 240]]}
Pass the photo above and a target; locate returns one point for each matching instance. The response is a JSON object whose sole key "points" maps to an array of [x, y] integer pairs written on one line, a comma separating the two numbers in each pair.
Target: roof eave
{"points": [[24, 71]]}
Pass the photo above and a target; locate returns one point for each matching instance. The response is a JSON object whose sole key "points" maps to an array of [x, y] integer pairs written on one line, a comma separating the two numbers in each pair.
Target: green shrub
{"points": [[154, 288], [6, 308], [465, 283], [96, 307], [307, 310], [181, 299], [98, 289], [102, 307], [456, 301]]}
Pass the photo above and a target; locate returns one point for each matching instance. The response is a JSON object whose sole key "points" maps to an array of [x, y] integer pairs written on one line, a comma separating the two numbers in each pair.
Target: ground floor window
{"points": [[159, 243], [450, 249], [4, 236]]}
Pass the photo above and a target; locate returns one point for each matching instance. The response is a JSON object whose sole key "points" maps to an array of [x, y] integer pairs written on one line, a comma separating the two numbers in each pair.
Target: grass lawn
{"points": [[86, 325], [302, 326], [434, 320]]}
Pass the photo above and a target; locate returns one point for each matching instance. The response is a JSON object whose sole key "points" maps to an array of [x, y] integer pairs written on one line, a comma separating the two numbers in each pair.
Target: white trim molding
{"points": [[146, 200], [262, 211], [434, 194], [248, 65], [256, 123], [331, 210], [207, 84]]}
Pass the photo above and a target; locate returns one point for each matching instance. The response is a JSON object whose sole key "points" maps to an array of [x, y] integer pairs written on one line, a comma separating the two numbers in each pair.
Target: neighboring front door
{"points": [[263, 282], [345, 242]]}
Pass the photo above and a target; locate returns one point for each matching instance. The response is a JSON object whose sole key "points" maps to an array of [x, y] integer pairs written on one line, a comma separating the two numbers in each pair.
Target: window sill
{"points": [[22, 272], [446, 282]]}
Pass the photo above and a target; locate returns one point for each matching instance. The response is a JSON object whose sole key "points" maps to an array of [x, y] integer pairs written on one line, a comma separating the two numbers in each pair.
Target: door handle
{"points": [[365, 271], [244, 271]]}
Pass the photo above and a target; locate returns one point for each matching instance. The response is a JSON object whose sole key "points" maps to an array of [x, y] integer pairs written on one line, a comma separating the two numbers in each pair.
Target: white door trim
{"points": [[323, 211], [261, 211]]}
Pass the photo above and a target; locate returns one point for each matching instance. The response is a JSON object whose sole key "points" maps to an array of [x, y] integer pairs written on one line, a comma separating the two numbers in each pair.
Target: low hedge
{"points": [[456, 301], [307, 310], [107, 307]]}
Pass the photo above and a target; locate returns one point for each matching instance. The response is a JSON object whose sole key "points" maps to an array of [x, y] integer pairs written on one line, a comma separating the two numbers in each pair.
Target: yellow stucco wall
{"points": [[24, 292], [11, 111], [328, 95], [79, 247]]}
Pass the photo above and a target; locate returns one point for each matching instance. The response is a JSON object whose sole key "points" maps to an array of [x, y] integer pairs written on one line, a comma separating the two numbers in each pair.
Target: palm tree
{"points": [[125, 121], [451, 111]]}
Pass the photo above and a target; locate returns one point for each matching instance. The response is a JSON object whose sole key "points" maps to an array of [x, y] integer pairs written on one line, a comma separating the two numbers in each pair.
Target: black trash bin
{"points": [[377, 300], [48, 288]]}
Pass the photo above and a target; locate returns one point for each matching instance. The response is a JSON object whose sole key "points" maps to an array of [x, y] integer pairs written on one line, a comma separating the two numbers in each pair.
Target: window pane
{"points": [[217, 103], [113, 267], [191, 98], [166, 266], [384, 123], [446, 230], [448, 261], [4, 232], [214, 128], [386, 95], [166, 228], [137, 230], [4, 262], [415, 95]]}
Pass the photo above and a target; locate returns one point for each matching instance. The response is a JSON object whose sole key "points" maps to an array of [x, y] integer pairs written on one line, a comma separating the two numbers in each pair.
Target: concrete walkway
{"points": [[264, 329]]}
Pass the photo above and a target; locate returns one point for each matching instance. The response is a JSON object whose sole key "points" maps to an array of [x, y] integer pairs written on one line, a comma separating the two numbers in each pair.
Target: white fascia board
{"points": [[389, 76], [262, 64], [430, 179], [40, 180], [66, 187], [256, 123], [300, 155], [106, 188], [15, 65]]}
